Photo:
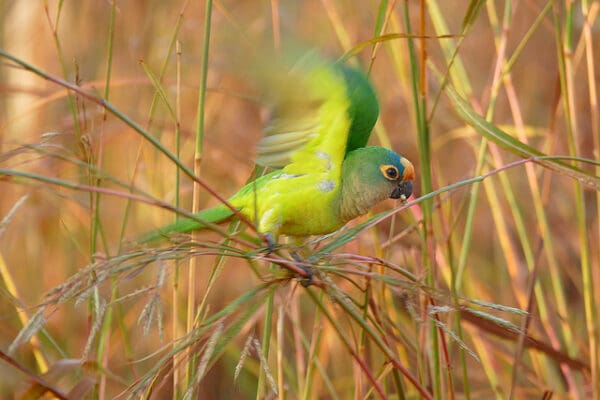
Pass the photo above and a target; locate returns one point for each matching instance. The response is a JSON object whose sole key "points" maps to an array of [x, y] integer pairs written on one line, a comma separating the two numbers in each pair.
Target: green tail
{"points": [[216, 214]]}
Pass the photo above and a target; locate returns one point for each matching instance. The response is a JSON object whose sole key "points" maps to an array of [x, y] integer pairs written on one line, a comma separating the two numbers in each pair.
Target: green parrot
{"points": [[325, 175]]}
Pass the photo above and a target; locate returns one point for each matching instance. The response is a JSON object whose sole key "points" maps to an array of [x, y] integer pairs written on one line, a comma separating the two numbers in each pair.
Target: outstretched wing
{"points": [[320, 112]]}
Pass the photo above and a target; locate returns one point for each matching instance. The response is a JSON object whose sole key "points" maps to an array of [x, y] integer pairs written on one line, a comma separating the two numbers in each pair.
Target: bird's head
{"points": [[372, 174]]}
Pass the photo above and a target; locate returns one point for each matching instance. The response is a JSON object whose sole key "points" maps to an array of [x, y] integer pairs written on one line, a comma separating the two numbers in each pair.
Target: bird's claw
{"points": [[306, 280]]}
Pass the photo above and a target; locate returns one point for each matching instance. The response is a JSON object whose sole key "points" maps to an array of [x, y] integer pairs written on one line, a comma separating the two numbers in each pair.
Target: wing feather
{"points": [[310, 122]]}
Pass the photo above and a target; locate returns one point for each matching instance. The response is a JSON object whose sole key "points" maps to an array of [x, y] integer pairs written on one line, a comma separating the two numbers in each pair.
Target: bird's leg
{"points": [[269, 223], [308, 280], [271, 242]]}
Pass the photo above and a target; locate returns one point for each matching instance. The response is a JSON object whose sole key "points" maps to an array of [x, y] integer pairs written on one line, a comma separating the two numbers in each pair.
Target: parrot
{"points": [[324, 173]]}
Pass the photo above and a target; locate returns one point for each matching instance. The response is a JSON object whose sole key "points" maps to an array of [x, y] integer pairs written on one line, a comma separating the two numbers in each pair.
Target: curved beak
{"points": [[404, 188], [402, 191]]}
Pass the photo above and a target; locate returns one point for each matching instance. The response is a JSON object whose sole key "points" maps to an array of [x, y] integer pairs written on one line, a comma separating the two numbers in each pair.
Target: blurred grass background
{"points": [[487, 290]]}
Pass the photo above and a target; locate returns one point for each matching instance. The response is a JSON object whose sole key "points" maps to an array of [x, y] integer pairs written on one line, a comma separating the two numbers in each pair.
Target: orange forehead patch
{"points": [[409, 170]]}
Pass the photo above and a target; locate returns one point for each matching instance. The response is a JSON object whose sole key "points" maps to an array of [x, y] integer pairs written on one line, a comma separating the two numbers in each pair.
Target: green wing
{"points": [[321, 111], [364, 108]]}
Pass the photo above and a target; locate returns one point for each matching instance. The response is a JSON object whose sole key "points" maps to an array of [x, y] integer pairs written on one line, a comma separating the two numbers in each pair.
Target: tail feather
{"points": [[216, 214]]}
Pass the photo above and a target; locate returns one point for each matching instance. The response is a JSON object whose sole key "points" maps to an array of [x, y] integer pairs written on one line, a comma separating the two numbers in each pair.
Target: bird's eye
{"points": [[390, 172]]}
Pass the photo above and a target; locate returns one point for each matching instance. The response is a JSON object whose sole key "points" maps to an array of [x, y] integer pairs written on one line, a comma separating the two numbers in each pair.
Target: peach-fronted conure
{"points": [[316, 139]]}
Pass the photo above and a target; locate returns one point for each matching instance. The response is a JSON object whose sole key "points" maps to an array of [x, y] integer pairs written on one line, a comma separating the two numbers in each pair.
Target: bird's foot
{"points": [[307, 280], [272, 247]]}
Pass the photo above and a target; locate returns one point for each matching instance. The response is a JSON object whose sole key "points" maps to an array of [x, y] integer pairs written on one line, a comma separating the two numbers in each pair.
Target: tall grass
{"points": [[117, 118]]}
